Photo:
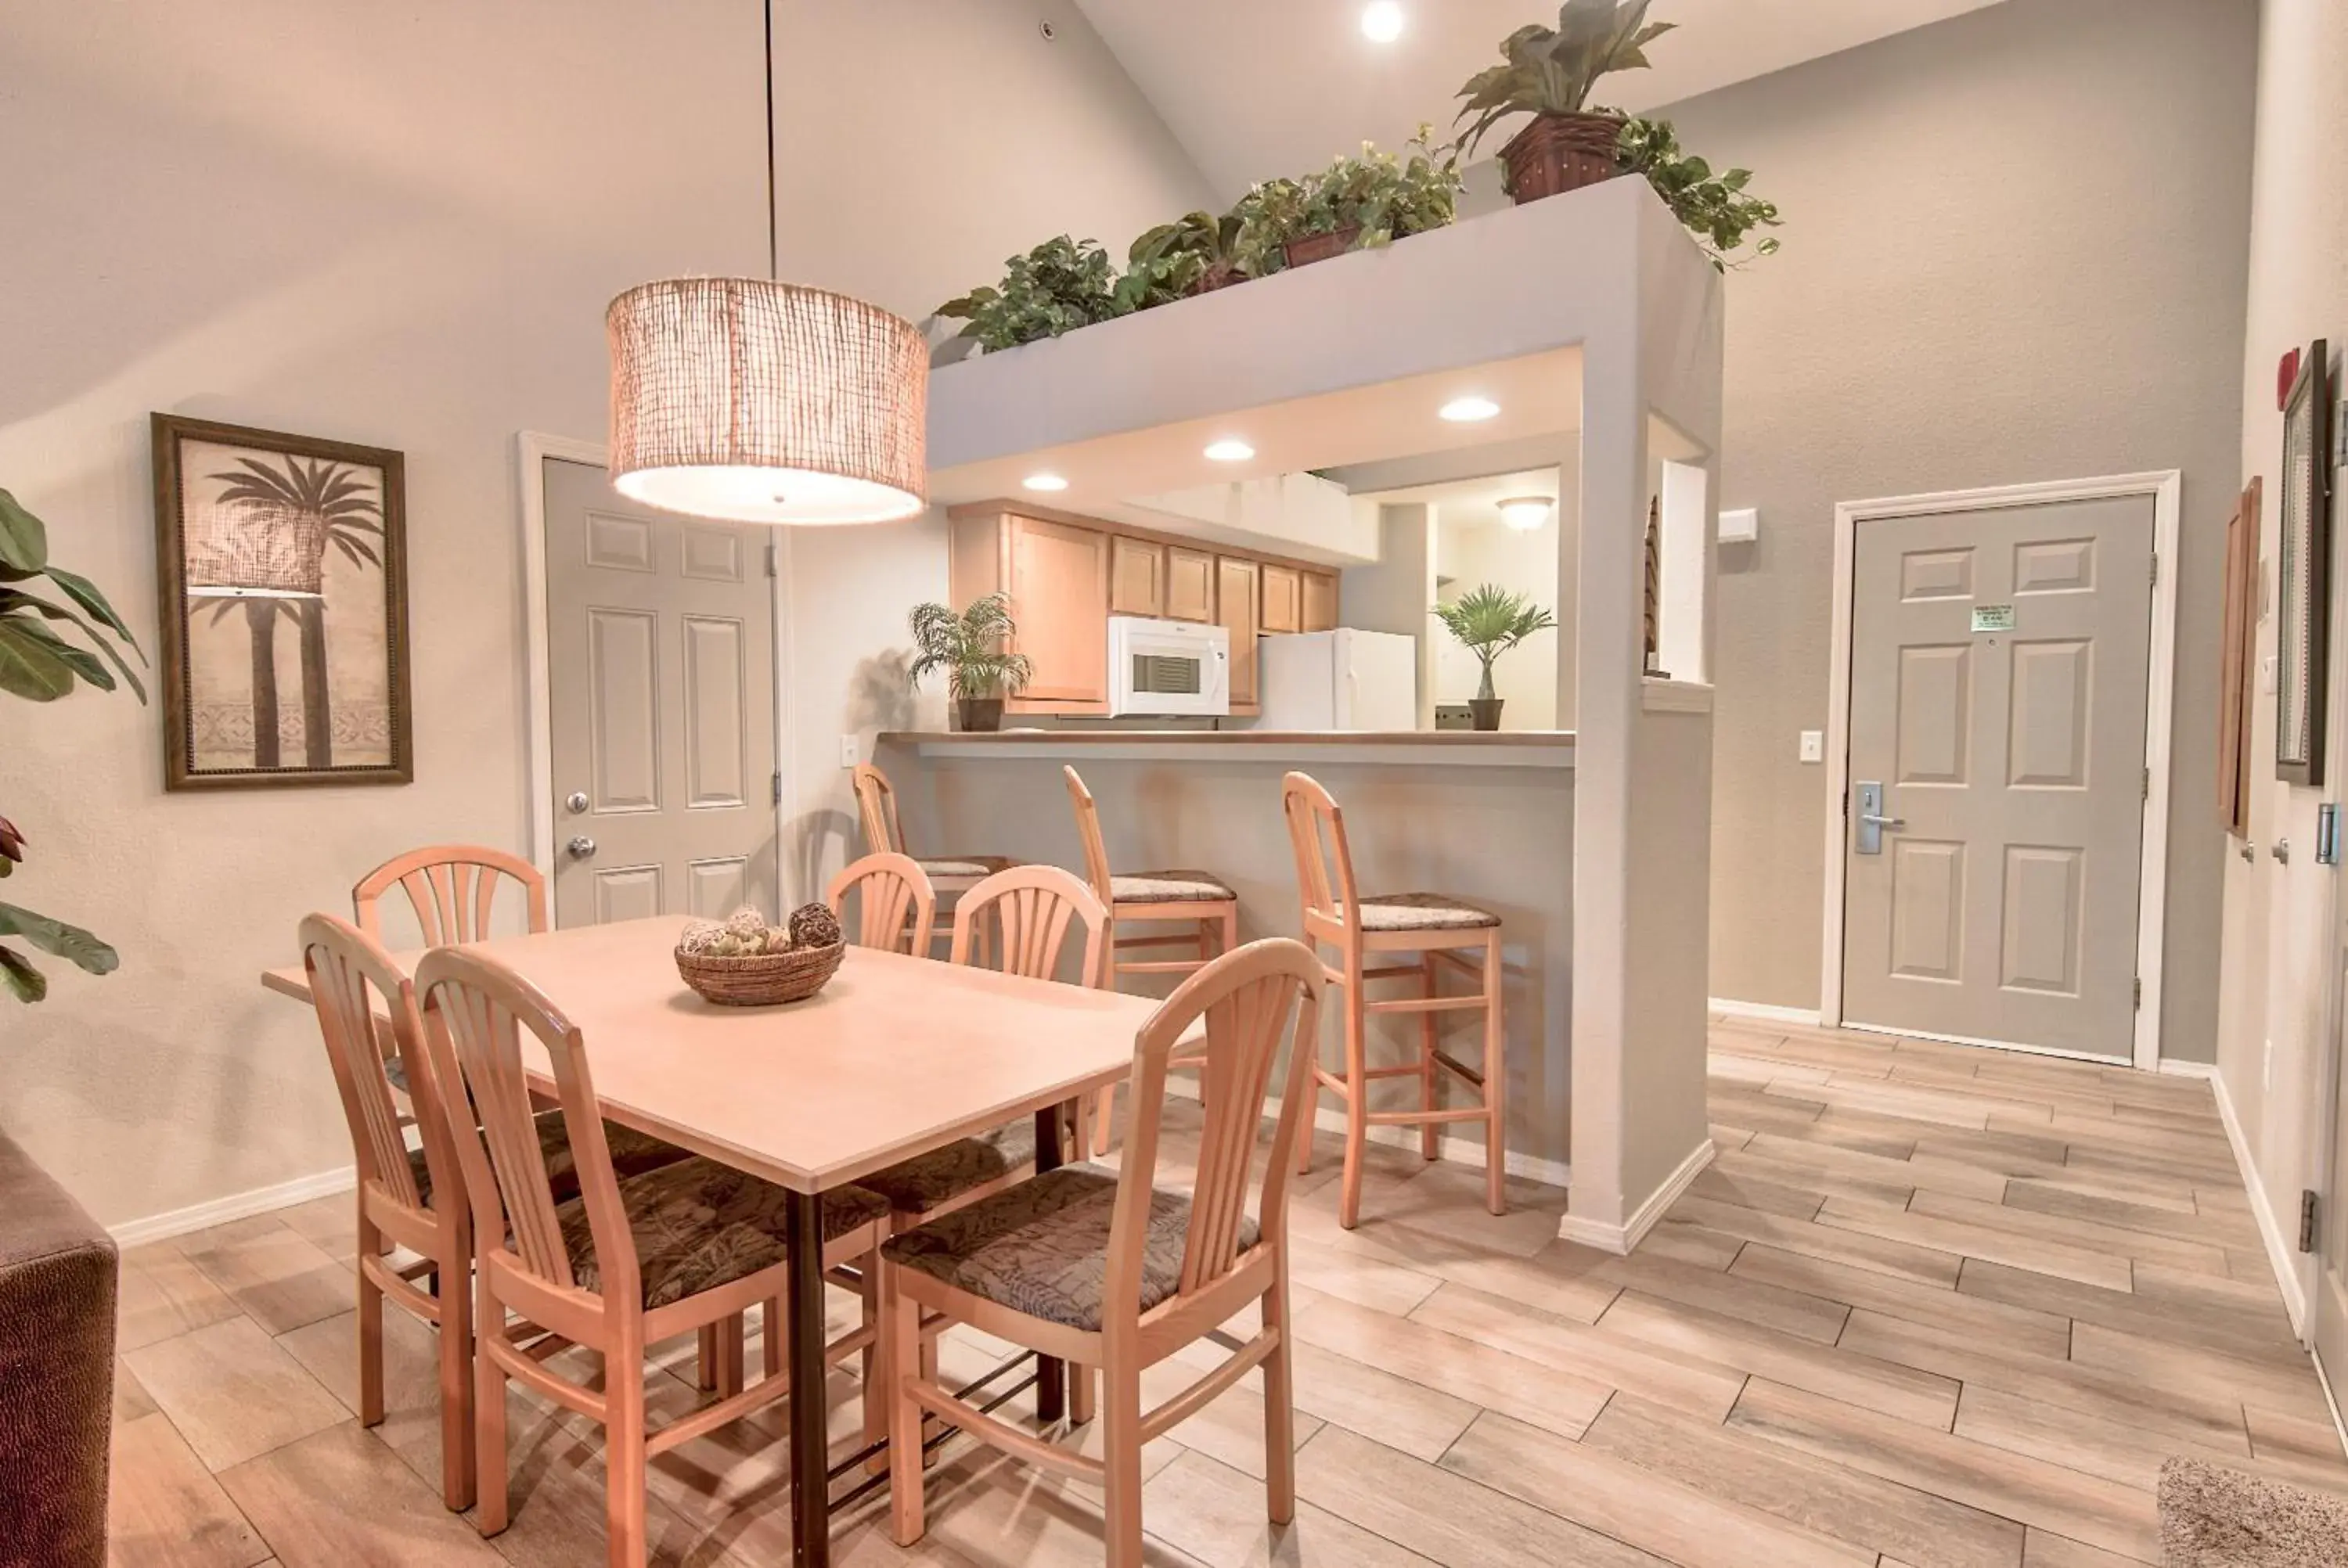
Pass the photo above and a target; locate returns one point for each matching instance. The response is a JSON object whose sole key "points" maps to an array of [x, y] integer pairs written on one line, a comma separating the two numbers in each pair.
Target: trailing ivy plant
{"points": [[1060, 285], [38, 663], [1389, 196], [1713, 207]]}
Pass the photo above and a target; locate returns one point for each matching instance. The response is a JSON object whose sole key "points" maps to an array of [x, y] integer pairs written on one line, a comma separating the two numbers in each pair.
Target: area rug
{"points": [[2213, 1517]]}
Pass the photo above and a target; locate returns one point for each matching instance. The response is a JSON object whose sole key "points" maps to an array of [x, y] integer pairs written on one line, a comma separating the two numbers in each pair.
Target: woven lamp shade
{"points": [[246, 550], [767, 402]]}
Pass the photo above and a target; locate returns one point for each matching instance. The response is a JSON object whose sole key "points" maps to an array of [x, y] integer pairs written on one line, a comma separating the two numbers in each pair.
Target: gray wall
{"points": [[2014, 251]]}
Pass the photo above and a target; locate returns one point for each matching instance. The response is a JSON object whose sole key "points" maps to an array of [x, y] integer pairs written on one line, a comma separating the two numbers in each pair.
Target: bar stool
{"points": [[1194, 899], [1436, 928], [950, 875]]}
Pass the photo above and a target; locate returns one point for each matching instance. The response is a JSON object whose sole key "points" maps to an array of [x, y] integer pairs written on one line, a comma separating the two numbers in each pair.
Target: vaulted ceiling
{"points": [[1253, 89]]}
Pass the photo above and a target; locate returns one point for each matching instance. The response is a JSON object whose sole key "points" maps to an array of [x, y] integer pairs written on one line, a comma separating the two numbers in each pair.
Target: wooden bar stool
{"points": [[1192, 899], [950, 875], [1436, 928]]}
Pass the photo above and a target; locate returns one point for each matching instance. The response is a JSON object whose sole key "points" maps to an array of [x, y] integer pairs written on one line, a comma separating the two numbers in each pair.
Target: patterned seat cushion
{"points": [[926, 1182], [1166, 887], [699, 1225], [1423, 912], [1042, 1247], [964, 864], [633, 1154]]}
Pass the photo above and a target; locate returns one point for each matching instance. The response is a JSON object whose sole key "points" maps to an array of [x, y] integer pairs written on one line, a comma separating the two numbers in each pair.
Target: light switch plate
{"points": [[1741, 527], [1814, 746], [848, 752]]}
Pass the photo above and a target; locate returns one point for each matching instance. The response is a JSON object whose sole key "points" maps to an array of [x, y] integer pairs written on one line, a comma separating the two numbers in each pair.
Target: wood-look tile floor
{"points": [[1933, 1308]]}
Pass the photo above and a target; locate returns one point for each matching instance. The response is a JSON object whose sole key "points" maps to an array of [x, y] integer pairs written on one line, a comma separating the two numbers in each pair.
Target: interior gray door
{"points": [[1998, 673], [661, 639]]}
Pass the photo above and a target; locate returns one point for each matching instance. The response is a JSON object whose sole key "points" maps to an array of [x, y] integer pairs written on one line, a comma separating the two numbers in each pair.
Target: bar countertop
{"points": [[1413, 748]]}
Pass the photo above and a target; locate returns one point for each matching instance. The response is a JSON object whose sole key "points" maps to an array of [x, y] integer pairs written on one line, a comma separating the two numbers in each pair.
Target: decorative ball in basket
{"points": [[744, 962]]}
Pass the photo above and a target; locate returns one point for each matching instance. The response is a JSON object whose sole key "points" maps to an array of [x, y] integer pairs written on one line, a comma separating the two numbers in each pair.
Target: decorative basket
{"points": [[766, 979]]}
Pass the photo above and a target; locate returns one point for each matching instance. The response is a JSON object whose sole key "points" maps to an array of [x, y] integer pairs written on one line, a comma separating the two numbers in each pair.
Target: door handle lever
{"points": [[1873, 821]]}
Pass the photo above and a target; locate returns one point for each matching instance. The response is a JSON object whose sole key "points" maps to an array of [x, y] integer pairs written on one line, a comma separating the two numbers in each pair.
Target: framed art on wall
{"points": [[281, 571], [2302, 562], [2237, 658]]}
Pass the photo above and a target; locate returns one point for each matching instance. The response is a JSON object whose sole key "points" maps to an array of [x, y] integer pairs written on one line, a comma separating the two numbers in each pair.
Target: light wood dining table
{"points": [[897, 1055]]}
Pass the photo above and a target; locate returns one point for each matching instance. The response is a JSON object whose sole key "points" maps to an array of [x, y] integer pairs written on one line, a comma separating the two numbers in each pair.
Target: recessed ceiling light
{"points": [[1229, 451], [1044, 482], [1468, 410], [1526, 513], [1382, 22]]}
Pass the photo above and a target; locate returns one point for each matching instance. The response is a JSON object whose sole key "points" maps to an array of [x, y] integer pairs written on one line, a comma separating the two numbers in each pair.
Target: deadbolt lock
{"points": [[575, 803]]}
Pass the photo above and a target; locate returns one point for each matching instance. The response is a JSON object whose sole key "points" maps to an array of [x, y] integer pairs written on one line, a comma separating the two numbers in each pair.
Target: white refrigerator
{"points": [[1341, 680]]}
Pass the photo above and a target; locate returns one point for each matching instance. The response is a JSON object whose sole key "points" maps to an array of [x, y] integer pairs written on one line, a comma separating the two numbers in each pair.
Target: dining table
{"points": [[896, 1056]]}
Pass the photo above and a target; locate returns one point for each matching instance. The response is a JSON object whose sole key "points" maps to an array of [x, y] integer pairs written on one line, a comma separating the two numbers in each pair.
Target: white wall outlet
{"points": [[1741, 527], [1814, 746], [848, 752]]}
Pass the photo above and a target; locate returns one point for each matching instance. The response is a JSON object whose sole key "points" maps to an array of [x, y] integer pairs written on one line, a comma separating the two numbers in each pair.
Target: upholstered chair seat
{"points": [[1168, 887], [1042, 1247], [962, 866], [930, 1181], [1423, 912]]}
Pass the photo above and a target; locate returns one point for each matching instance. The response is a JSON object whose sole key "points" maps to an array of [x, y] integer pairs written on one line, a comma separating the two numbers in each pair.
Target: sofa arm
{"points": [[58, 1281]]}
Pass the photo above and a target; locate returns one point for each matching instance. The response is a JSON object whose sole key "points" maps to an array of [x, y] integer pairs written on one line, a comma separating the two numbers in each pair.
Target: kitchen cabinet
{"points": [[1057, 575], [1283, 598], [1190, 584], [1319, 602], [1237, 608], [1137, 576]]}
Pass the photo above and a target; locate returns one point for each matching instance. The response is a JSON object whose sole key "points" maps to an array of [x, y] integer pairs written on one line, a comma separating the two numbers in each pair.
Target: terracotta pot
{"points": [[1485, 712], [1320, 247], [1560, 152], [978, 716]]}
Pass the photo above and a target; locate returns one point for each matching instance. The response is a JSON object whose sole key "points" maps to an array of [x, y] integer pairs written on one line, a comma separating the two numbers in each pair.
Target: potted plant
{"points": [[1358, 203], [969, 648], [1713, 207], [1060, 285], [1488, 620], [39, 664], [1194, 254], [1548, 73]]}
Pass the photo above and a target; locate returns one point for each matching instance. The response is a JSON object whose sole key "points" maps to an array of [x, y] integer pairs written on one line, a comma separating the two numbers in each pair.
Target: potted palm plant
{"points": [[970, 648], [39, 664], [1549, 73], [1488, 620]]}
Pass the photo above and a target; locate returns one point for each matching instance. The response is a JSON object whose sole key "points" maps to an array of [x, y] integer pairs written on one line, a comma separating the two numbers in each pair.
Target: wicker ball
{"points": [[779, 940], [814, 925], [747, 925], [700, 936]]}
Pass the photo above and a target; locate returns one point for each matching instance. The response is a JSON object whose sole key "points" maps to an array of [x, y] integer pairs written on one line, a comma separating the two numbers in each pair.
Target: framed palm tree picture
{"points": [[283, 578]]}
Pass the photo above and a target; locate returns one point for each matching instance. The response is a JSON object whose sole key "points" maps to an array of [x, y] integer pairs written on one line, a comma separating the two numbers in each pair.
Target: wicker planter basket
{"points": [[1322, 247], [1560, 152], [767, 979]]}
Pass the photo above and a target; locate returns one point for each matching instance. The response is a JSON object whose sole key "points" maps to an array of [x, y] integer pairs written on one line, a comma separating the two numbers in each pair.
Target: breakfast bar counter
{"points": [[1487, 818]]}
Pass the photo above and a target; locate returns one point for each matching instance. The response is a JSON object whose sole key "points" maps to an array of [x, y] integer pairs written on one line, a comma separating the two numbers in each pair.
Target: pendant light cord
{"points": [[774, 271]]}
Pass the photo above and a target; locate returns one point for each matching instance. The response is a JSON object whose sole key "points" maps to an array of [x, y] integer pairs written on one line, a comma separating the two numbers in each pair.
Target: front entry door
{"points": [[1998, 672], [660, 645]]}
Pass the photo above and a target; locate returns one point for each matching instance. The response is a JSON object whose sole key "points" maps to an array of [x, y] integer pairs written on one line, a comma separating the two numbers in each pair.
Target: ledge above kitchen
{"points": [[1305, 748]]}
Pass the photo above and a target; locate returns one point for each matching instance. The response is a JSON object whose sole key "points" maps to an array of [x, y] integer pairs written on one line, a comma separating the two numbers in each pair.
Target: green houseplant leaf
{"points": [[1712, 206], [969, 648], [70, 943], [24, 542], [1487, 620], [1553, 70]]}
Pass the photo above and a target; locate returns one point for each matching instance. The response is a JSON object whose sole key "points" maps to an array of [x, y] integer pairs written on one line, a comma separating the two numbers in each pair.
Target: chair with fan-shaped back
{"points": [[949, 876], [453, 889], [896, 907]]}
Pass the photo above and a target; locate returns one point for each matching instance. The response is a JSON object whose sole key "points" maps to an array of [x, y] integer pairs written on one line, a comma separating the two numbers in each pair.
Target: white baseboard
{"points": [[1451, 1146], [2283, 1253], [1768, 1013], [2207, 1070], [1621, 1239], [235, 1206]]}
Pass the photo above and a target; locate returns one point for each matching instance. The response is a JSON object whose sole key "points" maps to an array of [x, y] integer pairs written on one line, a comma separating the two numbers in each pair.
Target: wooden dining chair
{"points": [[1428, 932], [413, 1198], [625, 1264], [1114, 1275], [895, 905], [949, 876], [453, 889], [1203, 911]]}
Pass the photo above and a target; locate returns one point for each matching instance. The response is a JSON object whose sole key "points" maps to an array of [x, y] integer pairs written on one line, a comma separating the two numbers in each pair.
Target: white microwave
{"points": [[1167, 668]]}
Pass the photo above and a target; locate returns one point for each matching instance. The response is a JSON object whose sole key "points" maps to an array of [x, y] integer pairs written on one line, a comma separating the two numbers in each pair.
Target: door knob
{"points": [[580, 847], [2282, 850]]}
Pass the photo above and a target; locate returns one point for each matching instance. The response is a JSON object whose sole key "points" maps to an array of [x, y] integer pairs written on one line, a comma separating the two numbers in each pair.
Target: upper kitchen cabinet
{"points": [[1190, 584], [1319, 602], [1136, 578], [1283, 603], [1057, 576], [1236, 605]]}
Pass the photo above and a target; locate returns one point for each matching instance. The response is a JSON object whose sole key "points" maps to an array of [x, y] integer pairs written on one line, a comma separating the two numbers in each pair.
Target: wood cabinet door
{"points": [[1060, 596], [1137, 576], [1283, 598], [1236, 608], [1319, 602], [1190, 584]]}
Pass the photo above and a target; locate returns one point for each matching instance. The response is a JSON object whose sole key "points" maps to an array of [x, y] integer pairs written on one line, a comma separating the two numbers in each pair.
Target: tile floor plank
{"points": [[164, 1509], [232, 1392], [2045, 1333], [1699, 1388], [338, 1497], [1924, 1398]]}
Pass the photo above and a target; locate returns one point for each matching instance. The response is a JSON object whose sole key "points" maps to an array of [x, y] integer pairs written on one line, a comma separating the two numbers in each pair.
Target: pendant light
{"points": [[759, 401]]}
